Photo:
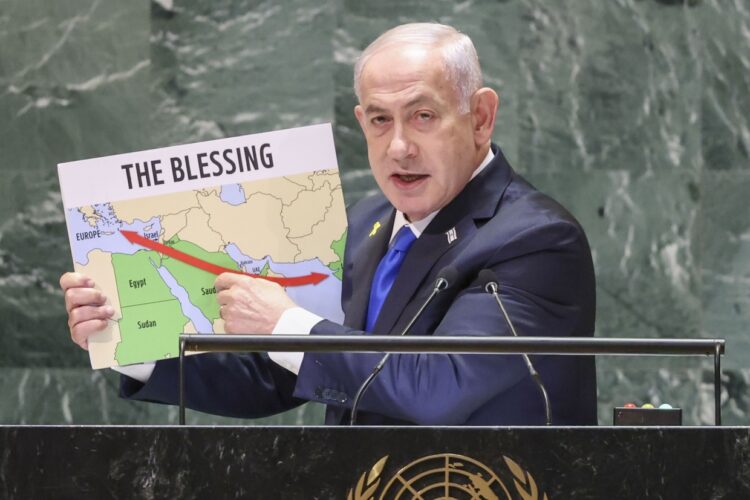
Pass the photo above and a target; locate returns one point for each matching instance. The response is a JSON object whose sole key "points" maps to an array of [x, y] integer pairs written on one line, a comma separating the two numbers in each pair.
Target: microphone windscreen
{"points": [[487, 276], [449, 274]]}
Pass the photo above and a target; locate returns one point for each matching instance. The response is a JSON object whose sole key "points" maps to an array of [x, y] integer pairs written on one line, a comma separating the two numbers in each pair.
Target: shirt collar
{"points": [[417, 227]]}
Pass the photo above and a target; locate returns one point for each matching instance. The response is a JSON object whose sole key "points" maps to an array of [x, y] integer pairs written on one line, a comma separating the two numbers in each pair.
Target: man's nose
{"points": [[401, 146]]}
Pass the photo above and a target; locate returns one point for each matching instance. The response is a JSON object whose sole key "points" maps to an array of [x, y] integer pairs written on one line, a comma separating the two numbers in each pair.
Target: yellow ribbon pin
{"points": [[375, 228]]}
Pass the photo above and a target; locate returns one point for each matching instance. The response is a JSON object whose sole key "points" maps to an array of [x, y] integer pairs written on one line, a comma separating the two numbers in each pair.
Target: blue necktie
{"points": [[386, 273]]}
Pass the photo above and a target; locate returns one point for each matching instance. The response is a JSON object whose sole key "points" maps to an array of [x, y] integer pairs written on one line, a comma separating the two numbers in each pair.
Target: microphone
{"points": [[446, 277], [488, 278]]}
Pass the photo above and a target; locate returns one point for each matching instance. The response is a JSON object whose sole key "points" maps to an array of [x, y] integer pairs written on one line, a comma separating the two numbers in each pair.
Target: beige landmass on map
{"points": [[90, 215], [319, 179], [255, 226], [198, 231], [308, 209], [318, 242], [218, 326], [102, 345], [285, 188], [146, 208], [172, 224]]}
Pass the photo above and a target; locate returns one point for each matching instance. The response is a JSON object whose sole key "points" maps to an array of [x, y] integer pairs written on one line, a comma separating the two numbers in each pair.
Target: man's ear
{"points": [[359, 113], [484, 104]]}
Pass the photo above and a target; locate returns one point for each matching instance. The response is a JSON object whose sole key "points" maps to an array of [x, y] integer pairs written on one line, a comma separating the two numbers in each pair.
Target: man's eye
{"points": [[424, 116], [378, 120]]}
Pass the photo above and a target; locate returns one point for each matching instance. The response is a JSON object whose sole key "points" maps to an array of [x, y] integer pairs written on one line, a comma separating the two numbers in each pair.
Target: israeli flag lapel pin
{"points": [[451, 235]]}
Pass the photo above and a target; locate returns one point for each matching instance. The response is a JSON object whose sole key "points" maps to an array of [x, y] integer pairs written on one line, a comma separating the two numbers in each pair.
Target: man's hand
{"points": [[250, 305], [88, 312]]}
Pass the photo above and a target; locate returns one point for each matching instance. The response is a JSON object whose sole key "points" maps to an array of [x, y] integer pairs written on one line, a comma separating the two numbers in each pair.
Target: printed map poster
{"points": [[154, 228]]}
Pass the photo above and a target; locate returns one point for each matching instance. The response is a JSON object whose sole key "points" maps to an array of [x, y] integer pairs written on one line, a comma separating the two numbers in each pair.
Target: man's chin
{"points": [[413, 205], [414, 214]]}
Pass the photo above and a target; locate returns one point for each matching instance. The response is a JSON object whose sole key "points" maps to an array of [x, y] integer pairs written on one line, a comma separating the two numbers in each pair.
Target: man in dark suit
{"points": [[449, 198]]}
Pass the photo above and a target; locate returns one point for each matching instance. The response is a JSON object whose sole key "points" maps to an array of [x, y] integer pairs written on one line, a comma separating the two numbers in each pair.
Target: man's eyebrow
{"points": [[419, 100], [374, 109]]}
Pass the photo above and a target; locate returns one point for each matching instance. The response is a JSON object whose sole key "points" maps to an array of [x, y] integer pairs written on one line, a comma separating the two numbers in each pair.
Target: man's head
{"points": [[427, 120]]}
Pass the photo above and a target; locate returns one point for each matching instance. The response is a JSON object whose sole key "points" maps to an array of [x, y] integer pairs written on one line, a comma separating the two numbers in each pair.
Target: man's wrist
{"points": [[293, 321]]}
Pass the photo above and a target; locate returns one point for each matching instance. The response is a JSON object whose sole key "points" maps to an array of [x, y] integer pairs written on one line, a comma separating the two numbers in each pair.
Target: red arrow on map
{"points": [[137, 239]]}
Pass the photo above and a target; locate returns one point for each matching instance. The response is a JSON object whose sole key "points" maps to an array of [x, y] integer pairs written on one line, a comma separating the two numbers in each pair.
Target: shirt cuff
{"points": [[294, 321], [140, 372]]}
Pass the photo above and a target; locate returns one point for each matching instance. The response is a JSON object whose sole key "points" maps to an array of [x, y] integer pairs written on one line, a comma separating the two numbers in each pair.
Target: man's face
{"points": [[422, 150]]}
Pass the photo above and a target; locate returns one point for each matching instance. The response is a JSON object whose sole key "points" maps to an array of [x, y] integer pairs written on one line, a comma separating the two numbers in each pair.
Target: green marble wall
{"points": [[633, 113]]}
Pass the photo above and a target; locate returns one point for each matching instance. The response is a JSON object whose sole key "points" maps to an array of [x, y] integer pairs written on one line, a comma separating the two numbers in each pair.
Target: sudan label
{"points": [[149, 323]]}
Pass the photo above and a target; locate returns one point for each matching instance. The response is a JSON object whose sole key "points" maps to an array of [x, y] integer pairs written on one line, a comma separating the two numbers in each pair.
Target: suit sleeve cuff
{"points": [[295, 321]]}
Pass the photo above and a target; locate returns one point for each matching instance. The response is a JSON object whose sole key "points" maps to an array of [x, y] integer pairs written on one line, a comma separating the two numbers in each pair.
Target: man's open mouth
{"points": [[410, 177]]}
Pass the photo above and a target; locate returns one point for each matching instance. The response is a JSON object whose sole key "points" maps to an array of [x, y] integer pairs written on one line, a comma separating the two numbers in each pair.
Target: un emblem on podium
{"points": [[447, 476]]}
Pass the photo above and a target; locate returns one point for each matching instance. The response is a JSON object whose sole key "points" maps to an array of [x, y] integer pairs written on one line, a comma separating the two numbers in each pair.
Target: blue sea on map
{"points": [[246, 263], [109, 227], [232, 194], [323, 299], [200, 321]]}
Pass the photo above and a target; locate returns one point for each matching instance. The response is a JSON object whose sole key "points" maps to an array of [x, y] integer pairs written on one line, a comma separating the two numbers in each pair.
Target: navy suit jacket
{"points": [[542, 260]]}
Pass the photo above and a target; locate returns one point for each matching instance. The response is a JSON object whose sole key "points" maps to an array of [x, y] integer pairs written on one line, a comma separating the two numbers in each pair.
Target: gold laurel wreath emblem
{"points": [[365, 489], [369, 482], [524, 481]]}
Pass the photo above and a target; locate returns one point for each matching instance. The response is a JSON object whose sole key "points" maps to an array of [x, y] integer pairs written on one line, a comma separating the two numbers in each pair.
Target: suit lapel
{"points": [[363, 269], [479, 200], [420, 260]]}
